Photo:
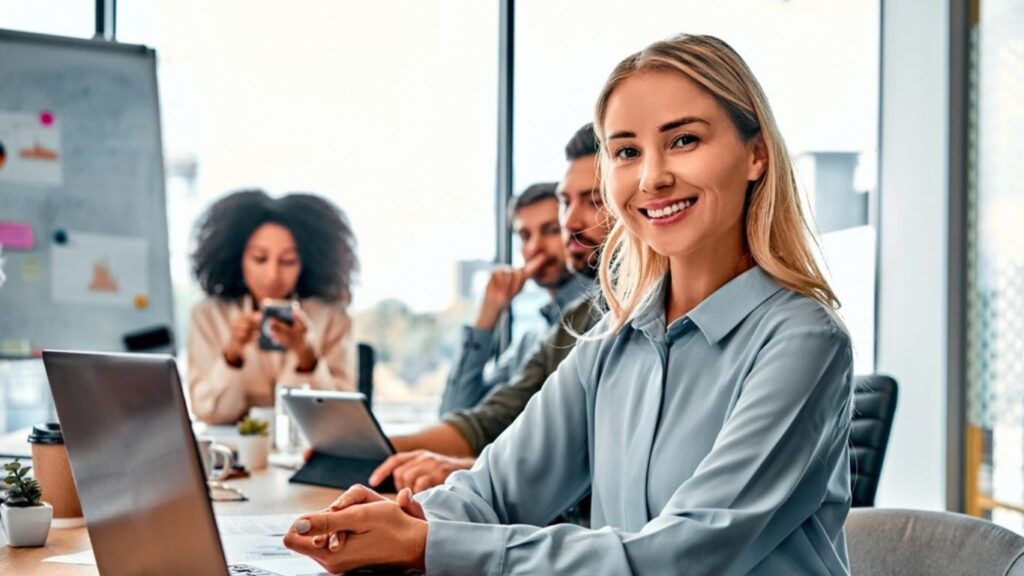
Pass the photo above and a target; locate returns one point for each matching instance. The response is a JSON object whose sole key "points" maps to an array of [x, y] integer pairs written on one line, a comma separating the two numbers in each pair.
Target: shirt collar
{"points": [[717, 315], [576, 286]]}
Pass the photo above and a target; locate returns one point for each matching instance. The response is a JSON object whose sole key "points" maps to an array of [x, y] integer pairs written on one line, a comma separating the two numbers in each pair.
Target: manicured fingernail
{"points": [[333, 543], [302, 526], [318, 541]]}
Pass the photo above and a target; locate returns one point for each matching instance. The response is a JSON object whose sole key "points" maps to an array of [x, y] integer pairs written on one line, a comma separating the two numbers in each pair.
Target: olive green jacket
{"points": [[483, 423]]}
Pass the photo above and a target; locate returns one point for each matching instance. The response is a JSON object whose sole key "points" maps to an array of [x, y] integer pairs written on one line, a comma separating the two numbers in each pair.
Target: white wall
{"points": [[913, 263]]}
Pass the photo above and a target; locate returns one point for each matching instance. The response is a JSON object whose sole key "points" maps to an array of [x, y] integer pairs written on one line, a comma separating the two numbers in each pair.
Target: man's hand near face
{"points": [[504, 285]]}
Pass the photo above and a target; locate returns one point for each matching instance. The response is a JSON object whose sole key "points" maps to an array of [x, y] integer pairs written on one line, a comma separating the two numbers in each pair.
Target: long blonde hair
{"points": [[777, 233]]}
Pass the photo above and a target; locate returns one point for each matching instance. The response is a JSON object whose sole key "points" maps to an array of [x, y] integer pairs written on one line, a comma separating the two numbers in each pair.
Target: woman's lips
{"points": [[670, 212]]}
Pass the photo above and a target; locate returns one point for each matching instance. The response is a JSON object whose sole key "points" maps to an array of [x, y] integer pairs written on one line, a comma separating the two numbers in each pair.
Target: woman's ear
{"points": [[758, 158]]}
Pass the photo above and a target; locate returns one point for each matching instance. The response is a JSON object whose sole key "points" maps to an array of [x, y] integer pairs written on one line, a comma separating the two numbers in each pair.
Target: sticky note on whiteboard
{"points": [[16, 235]]}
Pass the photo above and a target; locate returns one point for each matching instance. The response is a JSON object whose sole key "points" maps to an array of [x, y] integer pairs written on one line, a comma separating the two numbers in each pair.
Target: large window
{"points": [[388, 108], [817, 61], [995, 278], [75, 18], [24, 396]]}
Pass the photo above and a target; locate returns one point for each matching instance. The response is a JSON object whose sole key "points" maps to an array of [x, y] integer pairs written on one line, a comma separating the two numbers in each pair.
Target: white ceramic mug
{"points": [[265, 414], [216, 459], [252, 451]]}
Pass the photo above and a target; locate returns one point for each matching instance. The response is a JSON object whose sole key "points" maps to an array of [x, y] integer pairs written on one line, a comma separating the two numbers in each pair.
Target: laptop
{"points": [[136, 465]]}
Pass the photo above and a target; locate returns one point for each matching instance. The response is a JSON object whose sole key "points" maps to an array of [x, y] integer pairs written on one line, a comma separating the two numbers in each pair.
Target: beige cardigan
{"points": [[222, 394]]}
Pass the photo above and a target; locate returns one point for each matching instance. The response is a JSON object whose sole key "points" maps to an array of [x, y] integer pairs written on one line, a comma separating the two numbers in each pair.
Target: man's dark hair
{"points": [[323, 237], [583, 143], [534, 194]]}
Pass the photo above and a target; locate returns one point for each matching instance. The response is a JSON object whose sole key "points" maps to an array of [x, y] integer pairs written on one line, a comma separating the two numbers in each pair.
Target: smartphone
{"points": [[282, 310]]}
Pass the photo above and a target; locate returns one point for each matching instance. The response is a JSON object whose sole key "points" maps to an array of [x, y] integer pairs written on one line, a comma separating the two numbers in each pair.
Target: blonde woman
{"points": [[708, 414]]}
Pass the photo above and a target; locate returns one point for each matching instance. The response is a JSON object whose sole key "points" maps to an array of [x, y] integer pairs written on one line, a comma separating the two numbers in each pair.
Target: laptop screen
{"points": [[135, 463]]}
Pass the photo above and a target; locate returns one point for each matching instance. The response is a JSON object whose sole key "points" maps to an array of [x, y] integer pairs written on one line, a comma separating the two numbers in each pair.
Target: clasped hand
{"points": [[362, 528]]}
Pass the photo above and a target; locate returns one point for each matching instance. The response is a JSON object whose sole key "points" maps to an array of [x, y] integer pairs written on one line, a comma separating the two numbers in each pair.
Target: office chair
{"points": [[367, 358], [874, 406], [923, 543]]}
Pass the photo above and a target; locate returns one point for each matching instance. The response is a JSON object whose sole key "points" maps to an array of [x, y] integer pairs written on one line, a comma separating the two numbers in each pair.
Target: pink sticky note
{"points": [[16, 235]]}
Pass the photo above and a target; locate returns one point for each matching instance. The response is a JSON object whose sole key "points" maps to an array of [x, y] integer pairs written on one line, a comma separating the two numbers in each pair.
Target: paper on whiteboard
{"points": [[30, 148], [99, 269]]}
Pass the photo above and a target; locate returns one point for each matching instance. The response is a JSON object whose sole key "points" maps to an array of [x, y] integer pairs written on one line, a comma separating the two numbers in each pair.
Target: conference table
{"points": [[268, 492]]}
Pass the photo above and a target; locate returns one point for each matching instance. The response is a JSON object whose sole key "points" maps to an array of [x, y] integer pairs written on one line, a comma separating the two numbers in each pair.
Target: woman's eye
{"points": [[259, 259], [626, 153], [685, 140]]}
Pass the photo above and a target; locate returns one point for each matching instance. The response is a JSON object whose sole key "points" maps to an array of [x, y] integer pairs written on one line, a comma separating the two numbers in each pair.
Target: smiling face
{"points": [[271, 263], [678, 170]]}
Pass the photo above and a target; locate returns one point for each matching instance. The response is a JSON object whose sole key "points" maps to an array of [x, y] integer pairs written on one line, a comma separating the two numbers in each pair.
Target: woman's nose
{"points": [[273, 272], [654, 175]]}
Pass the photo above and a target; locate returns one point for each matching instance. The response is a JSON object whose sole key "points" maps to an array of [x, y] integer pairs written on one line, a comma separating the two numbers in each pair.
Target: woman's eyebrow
{"points": [[664, 127], [681, 122]]}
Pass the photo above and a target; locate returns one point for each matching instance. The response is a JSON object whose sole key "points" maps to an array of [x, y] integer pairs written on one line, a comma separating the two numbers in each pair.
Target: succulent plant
{"points": [[252, 427], [25, 492]]}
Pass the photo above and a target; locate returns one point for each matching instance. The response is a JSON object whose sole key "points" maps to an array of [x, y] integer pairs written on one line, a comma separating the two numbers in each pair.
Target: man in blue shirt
{"points": [[534, 219], [426, 458]]}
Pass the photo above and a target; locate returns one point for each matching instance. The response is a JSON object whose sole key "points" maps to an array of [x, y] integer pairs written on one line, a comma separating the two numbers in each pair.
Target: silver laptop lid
{"points": [[135, 463]]}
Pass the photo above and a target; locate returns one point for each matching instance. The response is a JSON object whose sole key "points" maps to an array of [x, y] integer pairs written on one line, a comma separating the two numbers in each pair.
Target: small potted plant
{"points": [[253, 443], [26, 519]]}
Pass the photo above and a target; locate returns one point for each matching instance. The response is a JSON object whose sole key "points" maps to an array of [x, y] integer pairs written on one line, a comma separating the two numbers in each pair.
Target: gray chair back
{"points": [[889, 542], [874, 407]]}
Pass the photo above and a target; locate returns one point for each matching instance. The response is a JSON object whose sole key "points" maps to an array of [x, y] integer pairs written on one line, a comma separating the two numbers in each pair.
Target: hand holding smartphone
{"points": [[281, 310]]}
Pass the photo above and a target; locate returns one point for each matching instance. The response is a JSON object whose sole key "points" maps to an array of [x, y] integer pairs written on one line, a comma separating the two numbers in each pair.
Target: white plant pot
{"points": [[252, 451], [26, 526]]}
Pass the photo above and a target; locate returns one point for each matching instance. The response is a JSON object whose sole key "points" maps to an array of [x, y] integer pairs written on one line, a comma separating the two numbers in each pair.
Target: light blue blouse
{"points": [[715, 446]]}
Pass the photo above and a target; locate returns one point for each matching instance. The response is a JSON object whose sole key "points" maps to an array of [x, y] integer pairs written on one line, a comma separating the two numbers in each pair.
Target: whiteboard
{"points": [[83, 220]]}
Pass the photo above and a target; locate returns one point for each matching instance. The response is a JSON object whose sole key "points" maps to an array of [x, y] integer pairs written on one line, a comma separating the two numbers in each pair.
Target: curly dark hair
{"points": [[324, 239]]}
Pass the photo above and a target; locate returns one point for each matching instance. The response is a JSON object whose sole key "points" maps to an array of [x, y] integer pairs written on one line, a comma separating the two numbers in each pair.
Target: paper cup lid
{"points": [[48, 433]]}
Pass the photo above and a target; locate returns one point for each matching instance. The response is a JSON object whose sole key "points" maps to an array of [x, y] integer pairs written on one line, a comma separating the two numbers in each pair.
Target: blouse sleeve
{"points": [[331, 342], [217, 389], [766, 475]]}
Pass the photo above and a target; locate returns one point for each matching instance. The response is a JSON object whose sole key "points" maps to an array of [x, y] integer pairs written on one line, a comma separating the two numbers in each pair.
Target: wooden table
{"points": [[268, 491]]}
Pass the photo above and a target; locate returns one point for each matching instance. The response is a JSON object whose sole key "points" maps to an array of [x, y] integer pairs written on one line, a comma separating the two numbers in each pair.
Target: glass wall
{"points": [[76, 18], [24, 396], [818, 62], [388, 108], [995, 282]]}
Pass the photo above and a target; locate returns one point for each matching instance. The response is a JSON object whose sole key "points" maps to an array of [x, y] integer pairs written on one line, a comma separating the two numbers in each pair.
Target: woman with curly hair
{"points": [[252, 248]]}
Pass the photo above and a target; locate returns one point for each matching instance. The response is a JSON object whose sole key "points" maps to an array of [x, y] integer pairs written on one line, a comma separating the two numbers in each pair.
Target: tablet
{"points": [[338, 424]]}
